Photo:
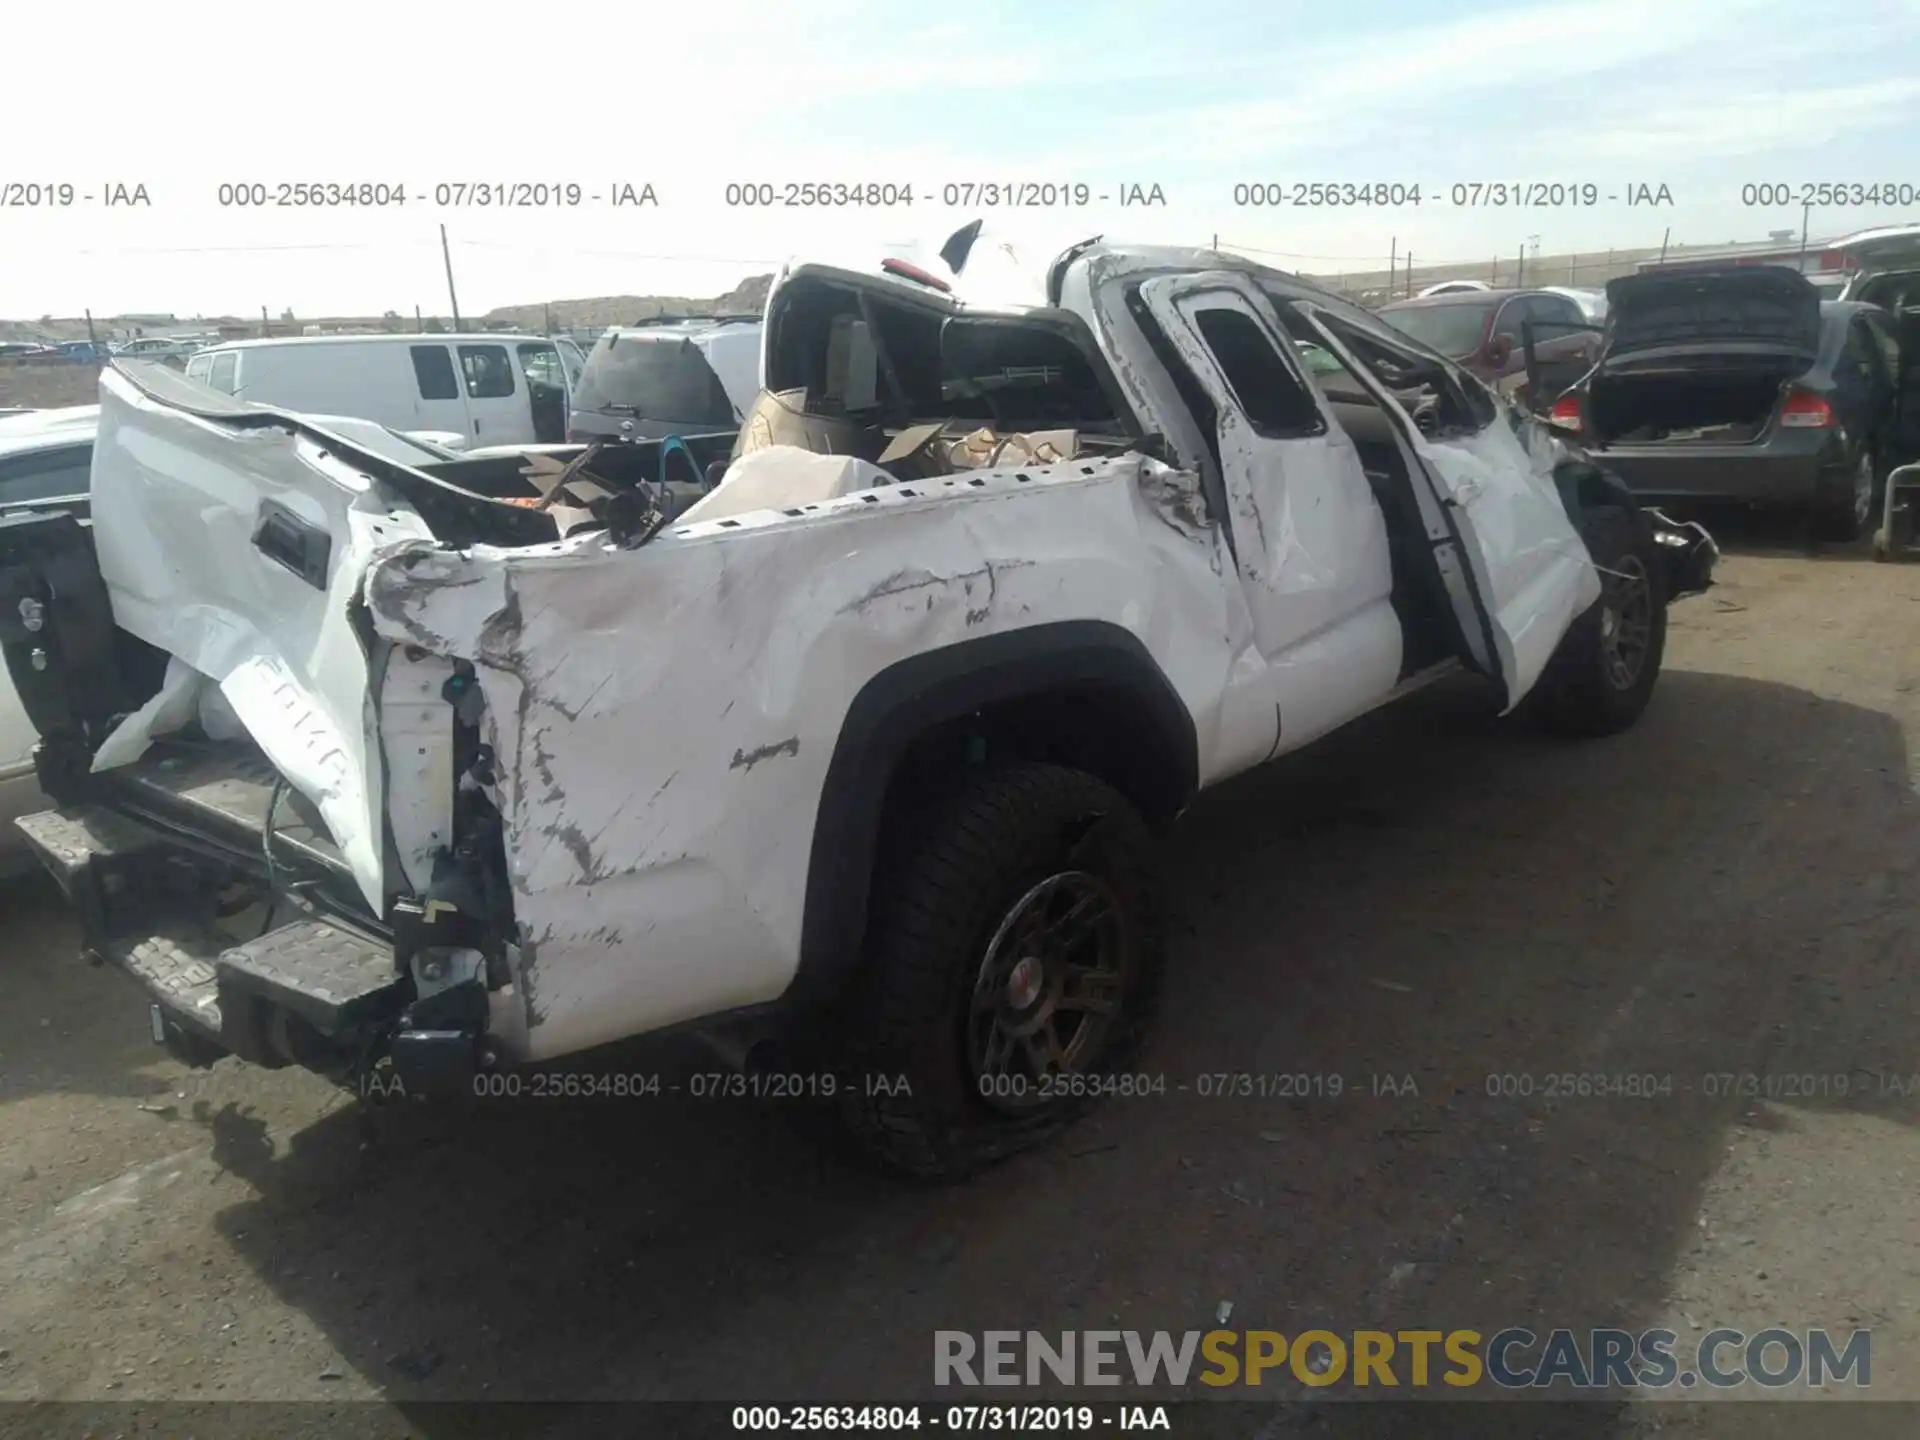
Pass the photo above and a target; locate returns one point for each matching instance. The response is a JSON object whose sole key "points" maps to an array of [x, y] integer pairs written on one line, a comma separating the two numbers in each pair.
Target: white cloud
{"points": [[1746, 125], [691, 96]]}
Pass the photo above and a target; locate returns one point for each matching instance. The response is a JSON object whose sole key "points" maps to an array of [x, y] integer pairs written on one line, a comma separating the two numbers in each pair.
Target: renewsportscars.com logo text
{"points": [[1513, 1359]]}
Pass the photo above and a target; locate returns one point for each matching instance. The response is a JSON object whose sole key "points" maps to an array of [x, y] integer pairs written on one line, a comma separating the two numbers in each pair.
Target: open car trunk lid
{"points": [[1732, 317]]}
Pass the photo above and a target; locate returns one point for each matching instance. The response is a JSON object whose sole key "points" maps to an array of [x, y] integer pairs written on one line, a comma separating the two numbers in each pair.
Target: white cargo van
{"points": [[490, 389]]}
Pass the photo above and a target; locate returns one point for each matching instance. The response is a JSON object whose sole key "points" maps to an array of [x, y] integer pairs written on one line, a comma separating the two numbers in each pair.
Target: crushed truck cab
{"points": [[382, 770]]}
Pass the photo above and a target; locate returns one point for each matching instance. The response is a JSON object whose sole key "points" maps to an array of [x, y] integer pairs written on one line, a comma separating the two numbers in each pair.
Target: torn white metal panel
{"points": [[176, 504], [664, 716], [416, 738], [176, 702], [184, 696], [1533, 566], [781, 477]]}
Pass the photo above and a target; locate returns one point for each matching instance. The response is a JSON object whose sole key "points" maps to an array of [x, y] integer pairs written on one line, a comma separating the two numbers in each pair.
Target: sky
{"points": [[1195, 97]]}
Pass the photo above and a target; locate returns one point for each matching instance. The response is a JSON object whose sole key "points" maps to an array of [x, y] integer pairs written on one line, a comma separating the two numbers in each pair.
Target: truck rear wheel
{"points": [[1013, 958], [1603, 674]]}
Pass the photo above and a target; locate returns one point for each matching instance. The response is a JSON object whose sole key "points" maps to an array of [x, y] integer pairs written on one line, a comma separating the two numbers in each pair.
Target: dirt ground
{"points": [[1730, 889], [49, 385]]}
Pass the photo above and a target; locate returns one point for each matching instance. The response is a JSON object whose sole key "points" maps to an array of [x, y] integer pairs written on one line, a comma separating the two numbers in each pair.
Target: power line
{"points": [[249, 249], [1299, 255], [614, 254]]}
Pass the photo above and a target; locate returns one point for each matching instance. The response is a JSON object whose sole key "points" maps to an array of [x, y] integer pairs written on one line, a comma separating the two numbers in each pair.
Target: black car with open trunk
{"points": [[1739, 383]]}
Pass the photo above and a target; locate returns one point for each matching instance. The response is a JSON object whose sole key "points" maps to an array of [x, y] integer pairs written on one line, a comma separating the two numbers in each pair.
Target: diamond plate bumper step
{"points": [[68, 842], [177, 968], [332, 977]]}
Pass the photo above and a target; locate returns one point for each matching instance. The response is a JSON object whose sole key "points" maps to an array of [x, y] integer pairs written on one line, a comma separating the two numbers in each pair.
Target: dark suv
{"points": [[1480, 329], [674, 378]]}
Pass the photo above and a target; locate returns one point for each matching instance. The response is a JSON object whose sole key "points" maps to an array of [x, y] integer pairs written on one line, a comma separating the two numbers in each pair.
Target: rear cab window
{"points": [[895, 363], [225, 367]]}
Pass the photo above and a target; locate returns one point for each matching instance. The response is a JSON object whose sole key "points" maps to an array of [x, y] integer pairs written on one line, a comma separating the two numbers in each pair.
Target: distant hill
{"points": [[749, 297]]}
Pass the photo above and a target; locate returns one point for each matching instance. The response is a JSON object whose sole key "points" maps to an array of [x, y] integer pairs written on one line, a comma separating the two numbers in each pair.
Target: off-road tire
{"points": [[1576, 696], [908, 1092]]}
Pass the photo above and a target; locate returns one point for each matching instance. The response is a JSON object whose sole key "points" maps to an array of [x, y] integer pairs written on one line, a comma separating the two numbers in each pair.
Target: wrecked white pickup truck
{"points": [[386, 772]]}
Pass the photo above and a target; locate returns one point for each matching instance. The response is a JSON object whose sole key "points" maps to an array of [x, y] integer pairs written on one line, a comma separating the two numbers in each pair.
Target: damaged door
{"points": [[1309, 538], [1528, 571]]}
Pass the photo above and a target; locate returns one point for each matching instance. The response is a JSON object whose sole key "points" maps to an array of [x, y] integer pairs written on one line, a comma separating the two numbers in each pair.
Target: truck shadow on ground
{"points": [[72, 1028], [1399, 935], [1775, 534]]}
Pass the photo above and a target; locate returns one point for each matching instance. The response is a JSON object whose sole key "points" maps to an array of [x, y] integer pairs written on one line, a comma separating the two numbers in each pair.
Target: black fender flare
{"points": [[913, 695], [1689, 552]]}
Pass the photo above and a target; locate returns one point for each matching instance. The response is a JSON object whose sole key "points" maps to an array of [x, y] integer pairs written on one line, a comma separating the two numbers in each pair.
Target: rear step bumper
{"points": [[314, 992]]}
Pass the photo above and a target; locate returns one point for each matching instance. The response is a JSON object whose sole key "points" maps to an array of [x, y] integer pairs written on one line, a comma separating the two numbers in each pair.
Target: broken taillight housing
{"points": [[1803, 410], [1566, 411]]}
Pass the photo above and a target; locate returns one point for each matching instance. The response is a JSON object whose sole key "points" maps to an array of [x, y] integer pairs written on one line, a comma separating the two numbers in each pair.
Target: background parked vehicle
{"points": [[1739, 384], [572, 358], [1886, 267], [1592, 303], [44, 457], [1480, 330], [656, 380], [491, 389], [169, 351]]}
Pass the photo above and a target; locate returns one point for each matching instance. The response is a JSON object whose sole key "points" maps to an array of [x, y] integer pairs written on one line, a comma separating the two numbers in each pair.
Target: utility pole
{"points": [[416, 321], [92, 339], [1806, 218], [454, 300], [265, 328], [1520, 271], [1668, 235], [1409, 270], [1393, 264]]}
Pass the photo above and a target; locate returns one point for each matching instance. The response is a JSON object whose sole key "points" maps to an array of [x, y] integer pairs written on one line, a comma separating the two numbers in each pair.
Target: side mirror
{"points": [[1500, 349]]}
